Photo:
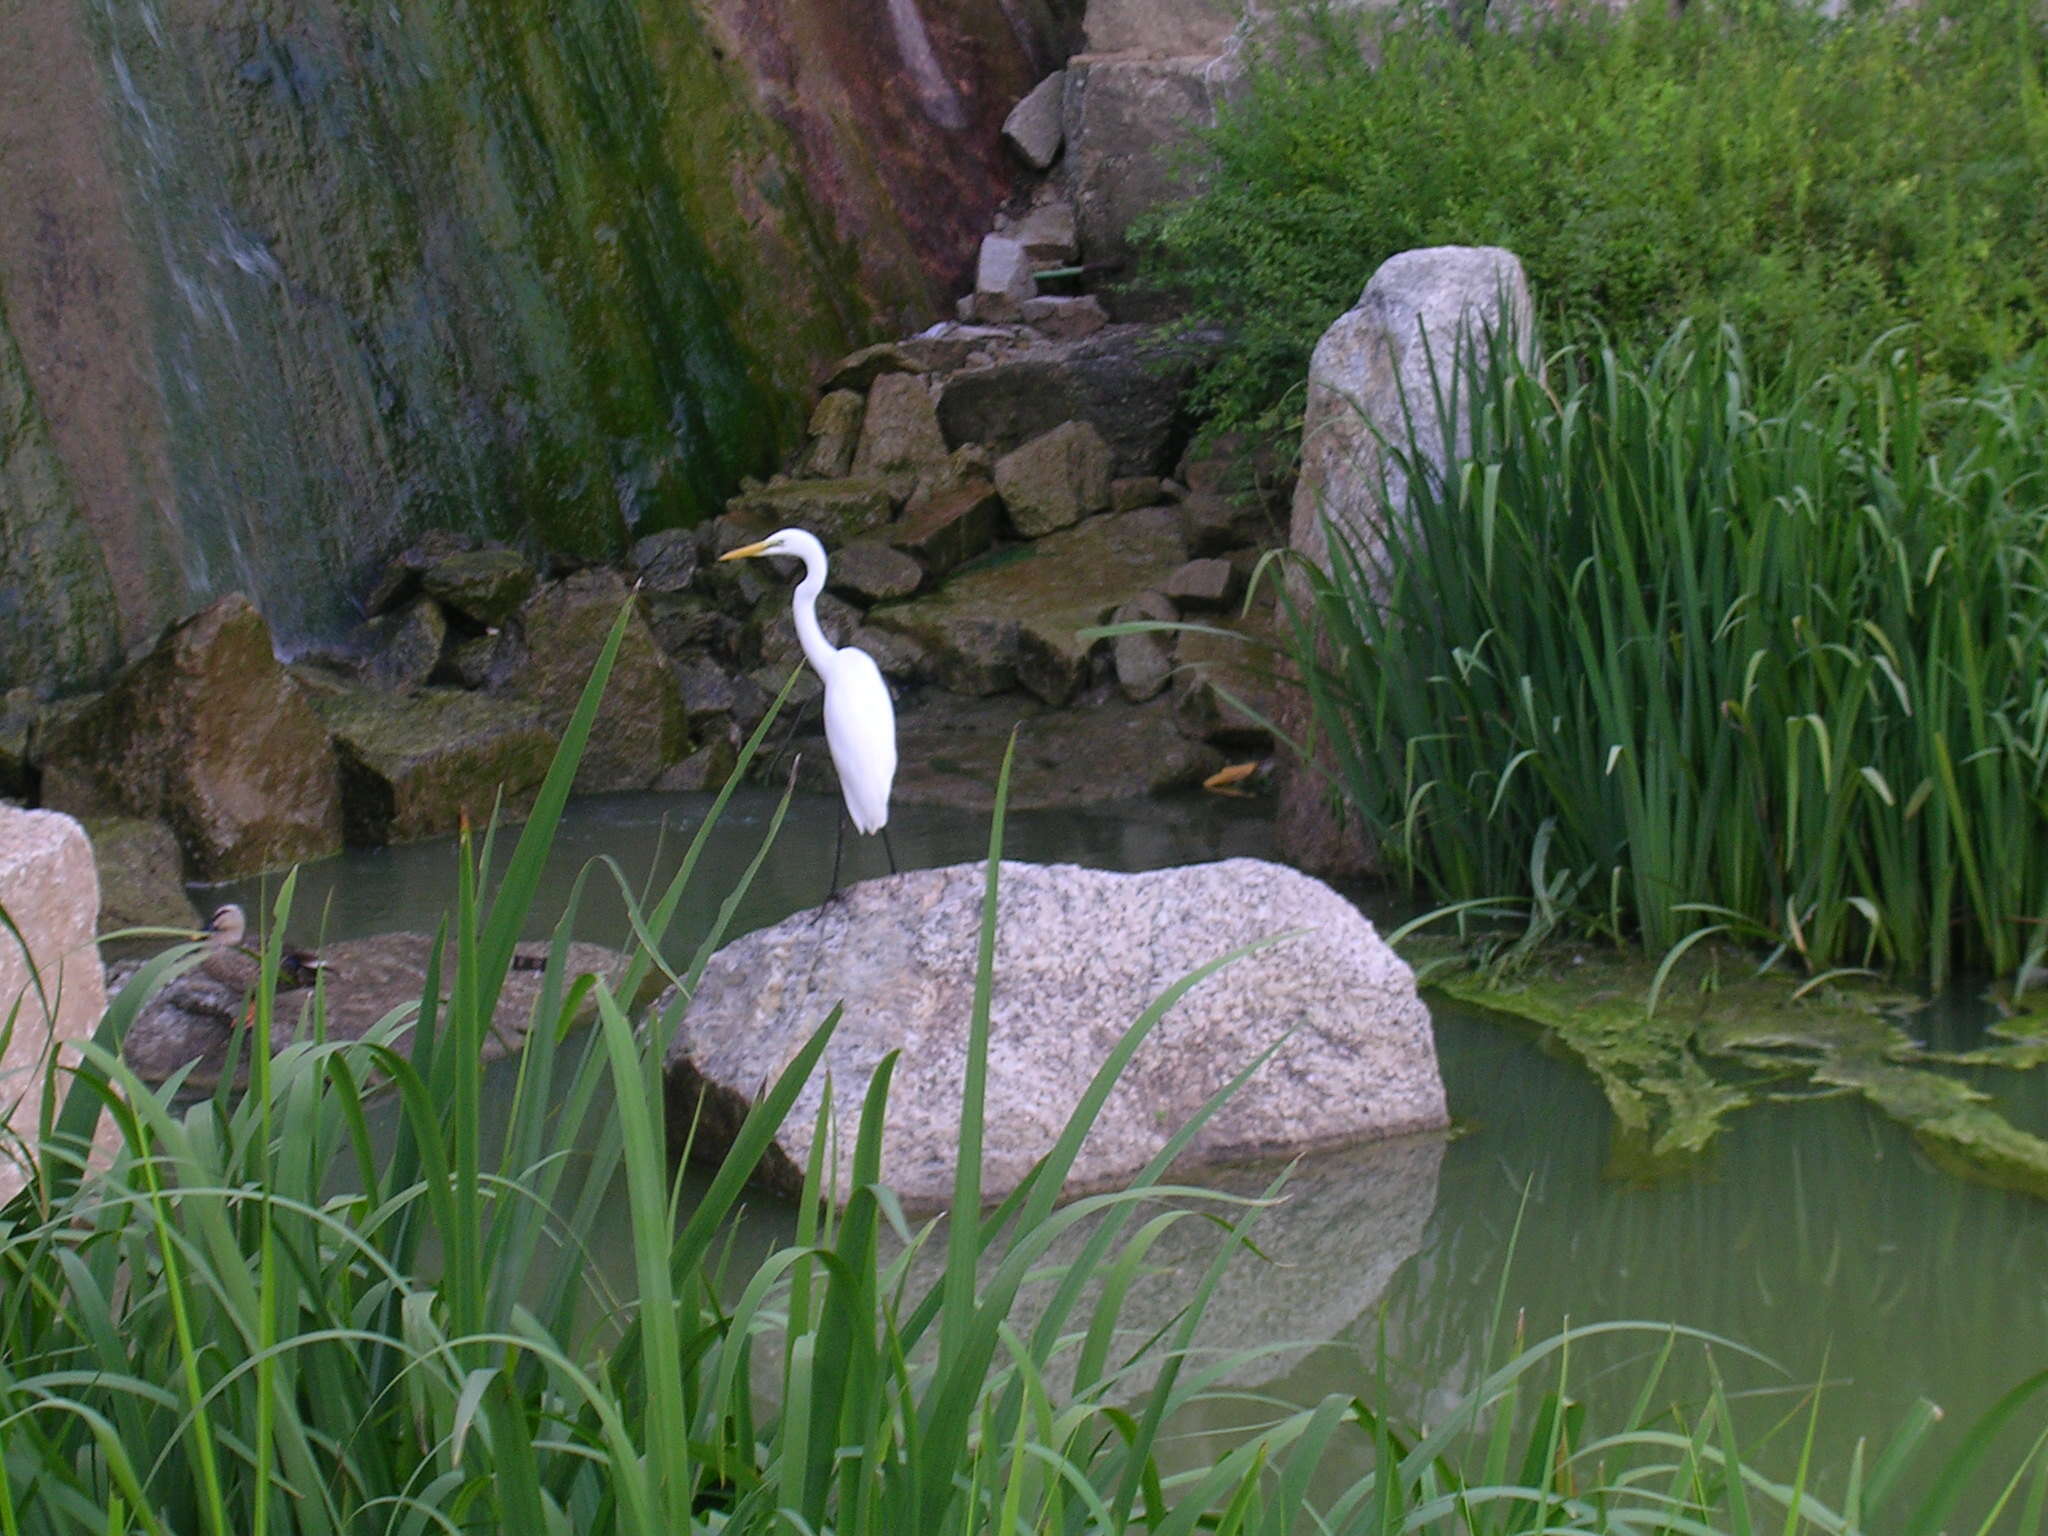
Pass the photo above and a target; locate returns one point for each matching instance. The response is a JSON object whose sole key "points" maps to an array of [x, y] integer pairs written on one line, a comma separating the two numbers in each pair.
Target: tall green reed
{"points": [[1679, 649], [293, 1309]]}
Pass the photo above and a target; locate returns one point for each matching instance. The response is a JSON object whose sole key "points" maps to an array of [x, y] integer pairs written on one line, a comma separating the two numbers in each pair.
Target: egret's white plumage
{"points": [[860, 721]]}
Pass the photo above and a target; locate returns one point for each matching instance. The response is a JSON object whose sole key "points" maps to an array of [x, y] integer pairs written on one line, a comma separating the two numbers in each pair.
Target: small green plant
{"points": [[1684, 650], [1815, 181], [295, 1311]]}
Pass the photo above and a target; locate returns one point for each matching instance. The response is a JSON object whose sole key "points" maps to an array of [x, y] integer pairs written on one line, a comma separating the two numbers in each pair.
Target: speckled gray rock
{"points": [[1143, 662], [1423, 310], [1371, 374], [52, 891], [1080, 954]]}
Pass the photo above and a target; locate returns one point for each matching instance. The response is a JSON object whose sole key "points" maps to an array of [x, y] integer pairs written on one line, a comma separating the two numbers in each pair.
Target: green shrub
{"points": [[1815, 182], [1681, 649]]}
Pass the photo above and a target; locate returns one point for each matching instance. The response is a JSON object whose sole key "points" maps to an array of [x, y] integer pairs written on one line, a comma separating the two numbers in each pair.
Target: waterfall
{"points": [[430, 265]]}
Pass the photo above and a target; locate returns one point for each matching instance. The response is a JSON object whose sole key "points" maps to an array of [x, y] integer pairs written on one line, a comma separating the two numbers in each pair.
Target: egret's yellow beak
{"points": [[746, 551]]}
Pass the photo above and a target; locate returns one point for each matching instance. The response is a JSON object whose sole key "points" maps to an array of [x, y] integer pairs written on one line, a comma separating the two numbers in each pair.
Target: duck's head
{"points": [[227, 926]]}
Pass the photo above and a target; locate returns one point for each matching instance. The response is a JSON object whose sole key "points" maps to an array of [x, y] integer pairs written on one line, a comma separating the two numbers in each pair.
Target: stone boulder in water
{"points": [[1080, 954], [193, 1018]]}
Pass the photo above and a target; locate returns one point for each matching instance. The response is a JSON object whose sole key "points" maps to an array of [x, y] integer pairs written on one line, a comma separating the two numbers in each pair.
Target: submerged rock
{"points": [[1080, 954], [211, 735]]}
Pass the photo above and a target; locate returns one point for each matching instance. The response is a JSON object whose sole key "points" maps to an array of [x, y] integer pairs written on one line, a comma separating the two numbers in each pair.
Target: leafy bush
{"points": [[1686, 650], [1816, 182]]}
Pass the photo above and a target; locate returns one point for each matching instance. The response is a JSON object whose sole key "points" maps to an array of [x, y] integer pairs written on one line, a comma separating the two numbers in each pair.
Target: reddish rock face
{"points": [[897, 108]]}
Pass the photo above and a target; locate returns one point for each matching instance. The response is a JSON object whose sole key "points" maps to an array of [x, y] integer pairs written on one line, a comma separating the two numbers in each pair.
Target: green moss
{"points": [[1723, 1037]]}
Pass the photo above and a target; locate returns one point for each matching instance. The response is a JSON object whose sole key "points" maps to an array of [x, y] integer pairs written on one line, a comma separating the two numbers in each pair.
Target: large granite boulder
{"points": [[192, 1019], [1373, 380], [1132, 126], [1014, 620], [209, 733], [1375, 377], [1080, 954], [411, 766], [51, 985], [640, 728], [1125, 381]]}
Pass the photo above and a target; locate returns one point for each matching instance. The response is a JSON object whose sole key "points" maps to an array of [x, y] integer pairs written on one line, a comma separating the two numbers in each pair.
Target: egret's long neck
{"points": [[819, 651]]}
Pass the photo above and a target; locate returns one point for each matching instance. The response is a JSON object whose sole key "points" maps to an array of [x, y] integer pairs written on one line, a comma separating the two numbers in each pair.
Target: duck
{"points": [[226, 976]]}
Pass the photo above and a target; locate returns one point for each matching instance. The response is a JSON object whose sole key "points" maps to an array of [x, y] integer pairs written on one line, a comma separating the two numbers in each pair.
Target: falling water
{"points": [[423, 266]]}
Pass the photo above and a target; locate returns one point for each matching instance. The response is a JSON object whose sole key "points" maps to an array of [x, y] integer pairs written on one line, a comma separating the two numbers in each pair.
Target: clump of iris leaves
{"points": [[292, 1309]]}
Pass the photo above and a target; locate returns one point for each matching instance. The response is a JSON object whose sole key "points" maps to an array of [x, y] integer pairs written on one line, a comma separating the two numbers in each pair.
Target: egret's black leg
{"points": [[888, 848], [838, 847]]}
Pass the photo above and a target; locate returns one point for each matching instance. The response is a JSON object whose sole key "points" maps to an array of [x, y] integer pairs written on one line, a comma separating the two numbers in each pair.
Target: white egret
{"points": [[860, 722]]}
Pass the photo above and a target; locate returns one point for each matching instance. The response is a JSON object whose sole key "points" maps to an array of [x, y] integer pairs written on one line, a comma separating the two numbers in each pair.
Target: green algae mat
{"points": [[1680, 1045]]}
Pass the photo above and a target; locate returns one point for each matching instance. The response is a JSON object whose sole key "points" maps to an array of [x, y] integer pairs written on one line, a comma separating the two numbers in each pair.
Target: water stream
{"points": [[1815, 1234]]}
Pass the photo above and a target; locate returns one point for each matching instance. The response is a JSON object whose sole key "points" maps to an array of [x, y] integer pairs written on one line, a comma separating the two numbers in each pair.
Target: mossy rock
{"points": [[1015, 617], [411, 766], [640, 727], [211, 735], [484, 586], [142, 875], [837, 511]]}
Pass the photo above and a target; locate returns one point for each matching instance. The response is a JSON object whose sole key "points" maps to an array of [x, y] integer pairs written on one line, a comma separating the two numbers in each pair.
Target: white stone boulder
{"points": [[1080, 954], [51, 983], [1373, 382]]}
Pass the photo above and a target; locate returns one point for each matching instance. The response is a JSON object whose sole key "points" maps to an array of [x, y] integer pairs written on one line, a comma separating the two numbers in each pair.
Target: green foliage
{"points": [[1815, 182], [293, 1311], [1687, 651]]}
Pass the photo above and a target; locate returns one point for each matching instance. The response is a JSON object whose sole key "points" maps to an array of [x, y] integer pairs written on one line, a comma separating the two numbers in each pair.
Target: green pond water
{"points": [[1814, 1233]]}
